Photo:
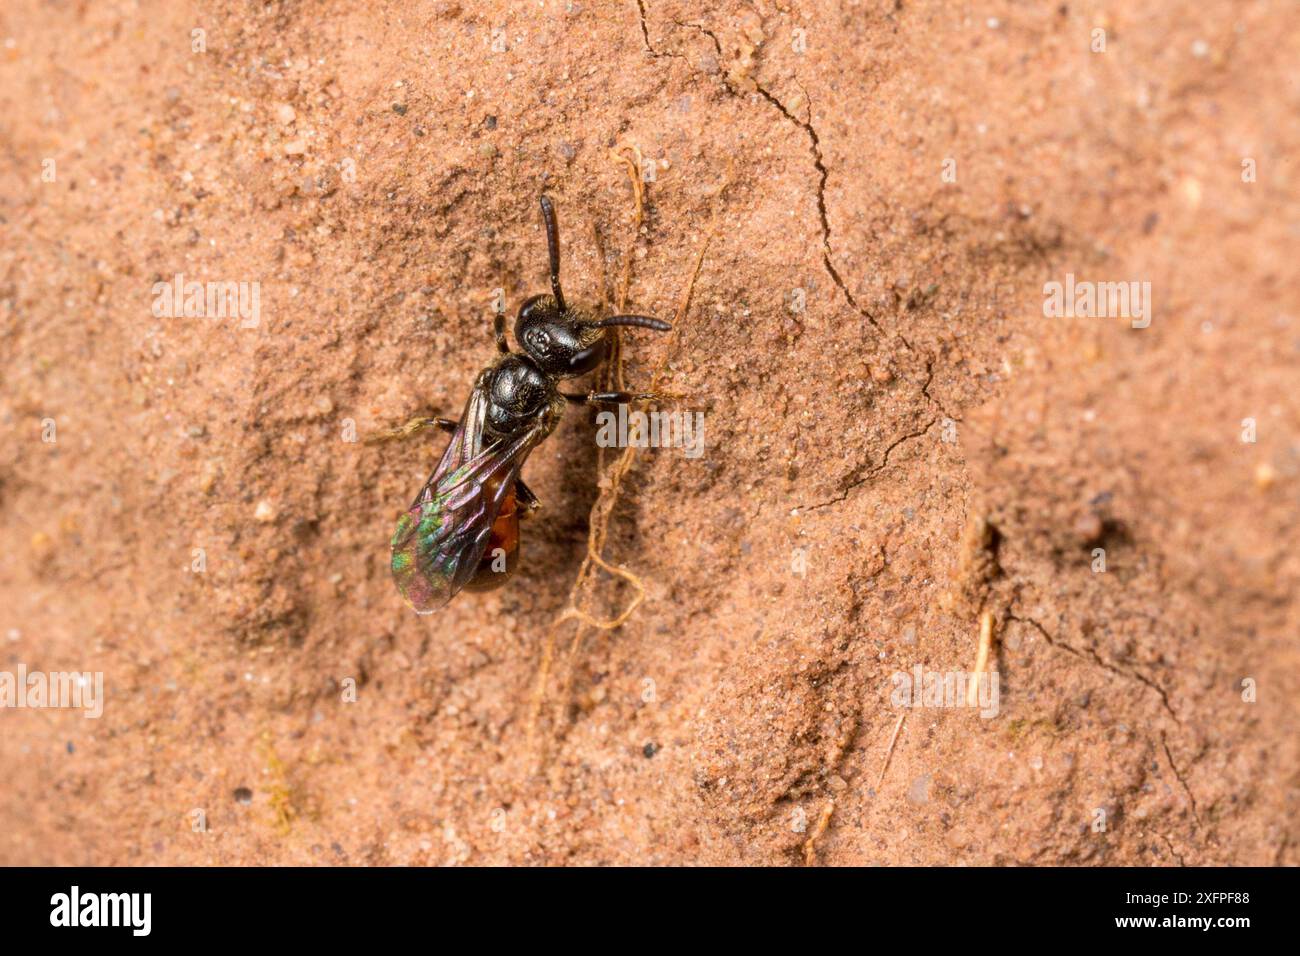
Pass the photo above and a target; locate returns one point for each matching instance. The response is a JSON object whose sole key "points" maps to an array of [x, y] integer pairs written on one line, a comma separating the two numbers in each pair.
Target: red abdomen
{"points": [[502, 554]]}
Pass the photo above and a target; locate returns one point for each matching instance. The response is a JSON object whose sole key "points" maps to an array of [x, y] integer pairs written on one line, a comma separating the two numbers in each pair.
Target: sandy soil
{"points": [[898, 440]]}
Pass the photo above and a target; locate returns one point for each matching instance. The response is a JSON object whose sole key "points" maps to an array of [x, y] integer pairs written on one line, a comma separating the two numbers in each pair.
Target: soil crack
{"points": [[819, 160], [823, 175], [819, 163], [1090, 655], [645, 37], [1181, 779], [868, 475], [925, 390], [1170, 844]]}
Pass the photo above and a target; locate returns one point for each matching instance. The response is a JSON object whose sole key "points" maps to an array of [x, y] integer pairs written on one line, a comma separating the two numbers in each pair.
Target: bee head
{"points": [[562, 343]]}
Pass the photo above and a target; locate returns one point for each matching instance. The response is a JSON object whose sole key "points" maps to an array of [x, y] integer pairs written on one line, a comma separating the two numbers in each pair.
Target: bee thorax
{"points": [[516, 393]]}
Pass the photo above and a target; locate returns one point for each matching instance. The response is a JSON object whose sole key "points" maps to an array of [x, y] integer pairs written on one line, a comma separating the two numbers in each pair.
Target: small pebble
{"points": [[918, 794], [1089, 528]]}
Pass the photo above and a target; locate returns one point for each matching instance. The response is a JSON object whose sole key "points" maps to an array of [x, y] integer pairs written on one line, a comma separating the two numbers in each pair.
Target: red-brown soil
{"points": [[898, 439]]}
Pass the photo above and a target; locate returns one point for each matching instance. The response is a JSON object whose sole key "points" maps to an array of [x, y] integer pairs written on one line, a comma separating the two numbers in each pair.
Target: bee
{"points": [[462, 529]]}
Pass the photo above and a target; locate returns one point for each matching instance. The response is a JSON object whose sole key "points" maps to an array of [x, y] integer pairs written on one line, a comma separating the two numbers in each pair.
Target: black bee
{"points": [[462, 529]]}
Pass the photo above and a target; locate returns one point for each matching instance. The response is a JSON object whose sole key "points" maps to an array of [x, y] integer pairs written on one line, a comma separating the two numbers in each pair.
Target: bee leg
{"points": [[526, 499], [499, 331], [610, 398], [415, 425]]}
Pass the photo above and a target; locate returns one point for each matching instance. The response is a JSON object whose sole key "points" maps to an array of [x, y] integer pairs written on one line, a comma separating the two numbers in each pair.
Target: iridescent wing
{"points": [[442, 536]]}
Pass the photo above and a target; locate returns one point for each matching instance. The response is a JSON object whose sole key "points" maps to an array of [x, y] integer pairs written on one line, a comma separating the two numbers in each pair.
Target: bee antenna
{"points": [[553, 250], [640, 321]]}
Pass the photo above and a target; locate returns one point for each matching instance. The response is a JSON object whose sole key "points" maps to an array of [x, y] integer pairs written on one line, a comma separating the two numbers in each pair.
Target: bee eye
{"points": [[541, 341]]}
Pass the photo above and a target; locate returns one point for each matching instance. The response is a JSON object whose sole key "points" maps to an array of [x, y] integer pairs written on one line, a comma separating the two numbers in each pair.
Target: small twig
{"points": [[981, 658], [823, 821], [889, 754], [602, 509]]}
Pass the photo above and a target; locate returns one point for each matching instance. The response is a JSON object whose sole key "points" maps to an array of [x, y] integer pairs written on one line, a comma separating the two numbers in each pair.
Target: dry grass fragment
{"points": [[582, 593]]}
